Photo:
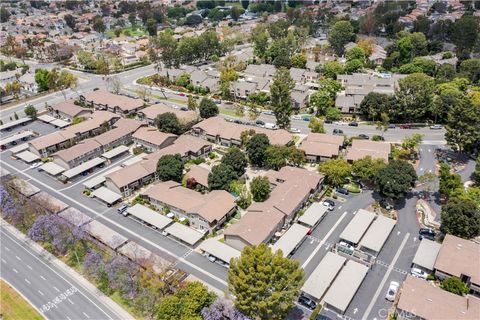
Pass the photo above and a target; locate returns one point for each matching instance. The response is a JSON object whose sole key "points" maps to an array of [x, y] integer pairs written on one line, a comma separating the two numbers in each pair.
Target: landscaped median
{"points": [[14, 306]]}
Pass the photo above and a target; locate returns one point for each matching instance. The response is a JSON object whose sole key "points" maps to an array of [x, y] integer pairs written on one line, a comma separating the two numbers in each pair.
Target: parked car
{"points": [[329, 202], [260, 123], [363, 136], [384, 204], [353, 124], [426, 233], [304, 301], [418, 273], [405, 126], [36, 164], [436, 127], [122, 209], [294, 130], [271, 126], [391, 126], [184, 108], [345, 247], [306, 118], [337, 131], [328, 121], [238, 121], [268, 112], [297, 117], [392, 291], [342, 191], [211, 258]]}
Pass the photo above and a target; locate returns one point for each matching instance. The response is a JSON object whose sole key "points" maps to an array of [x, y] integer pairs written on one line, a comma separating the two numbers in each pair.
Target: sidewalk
{"points": [[80, 280]]}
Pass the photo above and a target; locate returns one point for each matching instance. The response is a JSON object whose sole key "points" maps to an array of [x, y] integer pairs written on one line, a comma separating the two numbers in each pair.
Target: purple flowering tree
{"points": [[8, 208], [93, 263], [222, 309], [121, 274]]}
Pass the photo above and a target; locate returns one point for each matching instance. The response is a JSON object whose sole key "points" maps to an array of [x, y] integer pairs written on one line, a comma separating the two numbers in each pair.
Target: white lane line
{"points": [[40, 292], [14, 270], [54, 271], [56, 289], [6, 248], [28, 266], [43, 278], [320, 244], [153, 244], [68, 318], [86, 315], [71, 302], [26, 280], [385, 277], [4, 261], [339, 207], [18, 258]]}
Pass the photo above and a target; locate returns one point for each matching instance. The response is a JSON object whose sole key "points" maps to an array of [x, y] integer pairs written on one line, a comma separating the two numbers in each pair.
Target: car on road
{"points": [[342, 191], [337, 131], [405, 126], [36, 164], [392, 291], [294, 130], [123, 209], [260, 123], [306, 302], [238, 121], [271, 126], [329, 202], [418, 273], [328, 121], [363, 136], [306, 118], [436, 127], [426, 233], [268, 112], [341, 123], [391, 126], [353, 124], [297, 117], [181, 94]]}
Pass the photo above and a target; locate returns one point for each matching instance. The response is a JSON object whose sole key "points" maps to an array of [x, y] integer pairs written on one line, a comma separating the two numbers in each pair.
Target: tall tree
{"points": [[264, 284], [280, 97], [461, 217], [168, 122], [462, 126], [98, 24], [151, 26], [396, 179], [256, 149], [414, 97], [336, 171], [340, 34], [260, 188], [208, 108], [366, 169], [221, 177], [170, 167], [236, 159]]}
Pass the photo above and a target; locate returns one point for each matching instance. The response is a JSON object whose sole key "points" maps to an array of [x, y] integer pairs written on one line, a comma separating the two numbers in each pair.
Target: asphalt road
{"points": [[52, 291]]}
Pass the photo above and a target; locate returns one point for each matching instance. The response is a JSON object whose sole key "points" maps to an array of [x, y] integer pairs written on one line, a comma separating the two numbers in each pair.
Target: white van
{"points": [[271, 126]]}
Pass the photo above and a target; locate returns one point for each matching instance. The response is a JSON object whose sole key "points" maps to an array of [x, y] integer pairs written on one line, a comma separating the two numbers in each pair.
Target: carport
{"points": [[343, 289], [426, 255], [184, 233], [59, 123], [17, 136], [105, 235], [27, 156], [19, 148], [106, 195], [83, 167], [49, 202], [314, 214], [109, 155], [98, 180], [323, 275], [149, 216], [52, 168], [219, 250], [24, 187], [144, 257], [291, 240], [12, 124], [357, 226], [46, 118], [74, 216], [376, 236]]}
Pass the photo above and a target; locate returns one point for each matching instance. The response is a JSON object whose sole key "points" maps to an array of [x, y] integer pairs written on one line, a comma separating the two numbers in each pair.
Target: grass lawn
{"points": [[138, 32], [13, 306], [120, 301], [228, 112]]}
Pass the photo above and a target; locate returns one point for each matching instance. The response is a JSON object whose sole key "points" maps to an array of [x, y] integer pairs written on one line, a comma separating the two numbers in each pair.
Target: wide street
{"points": [[50, 289]]}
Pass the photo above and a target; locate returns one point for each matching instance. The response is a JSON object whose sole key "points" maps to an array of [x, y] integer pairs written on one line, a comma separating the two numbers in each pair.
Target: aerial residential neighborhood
{"points": [[237, 160]]}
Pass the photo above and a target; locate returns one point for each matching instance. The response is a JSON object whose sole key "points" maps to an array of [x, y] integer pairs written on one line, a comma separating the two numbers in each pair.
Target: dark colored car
{"points": [[426, 233], [342, 191], [353, 124], [306, 118], [238, 121], [328, 121], [322, 317], [363, 136], [304, 301], [337, 131], [260, 123]]}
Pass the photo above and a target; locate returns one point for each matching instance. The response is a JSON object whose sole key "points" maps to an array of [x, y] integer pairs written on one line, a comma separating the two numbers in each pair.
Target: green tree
{"points": [[448, 96], [455, 285], [165, 43], [170, 167], [221, 177], [396, 179], [31, 111], [260, 40], [353, 66], [207, 108], [296, 156], [340, 34], [336, 171], [476, 173], [151, 27], [186, 303], [256, 149], [280, 97], [316, 125], [236, 159], [356, 53], [462, 125], [321, 101], [450, 183], [191, 103], [41, 79], [299, 61], [461, 218], [98, 24], [4, 15], [168, 122], [265, 284], [260, 188], [276, 156], [465, 32], [374, 104], [333, 114], [414, 96], [366, 169], [471, 69], [331, 69]]}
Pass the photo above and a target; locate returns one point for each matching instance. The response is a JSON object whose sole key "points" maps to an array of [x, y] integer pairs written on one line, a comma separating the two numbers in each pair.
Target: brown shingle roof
{"points": [[112, 100], [200, 174], [325, 138], [183, 116], [152, 135], [362, 148], [69, 108], [78, 150], [319, 149]]}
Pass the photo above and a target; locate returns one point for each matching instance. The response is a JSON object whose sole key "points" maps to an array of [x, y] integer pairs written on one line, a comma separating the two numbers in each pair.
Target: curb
{"points": [[84, 283], [24, 298]]}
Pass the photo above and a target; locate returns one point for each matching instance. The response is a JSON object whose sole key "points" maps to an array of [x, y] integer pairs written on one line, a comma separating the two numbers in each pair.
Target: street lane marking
{"points": [[56, 289], [28, 266], [153, 244], [40, 292], [71, 302], [26, 280], [6, 248], [18, 258], [68, 318], [385, 277], [4, 261], [314, 252], [14, 270], [43, 278], [86, 315]]}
